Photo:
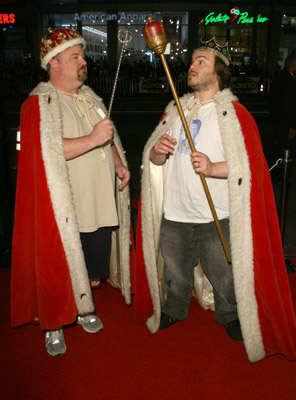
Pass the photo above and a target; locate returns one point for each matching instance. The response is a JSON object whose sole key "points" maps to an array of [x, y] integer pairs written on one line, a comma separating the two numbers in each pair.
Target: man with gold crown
{"points": [[181, 252], [66, 217]]}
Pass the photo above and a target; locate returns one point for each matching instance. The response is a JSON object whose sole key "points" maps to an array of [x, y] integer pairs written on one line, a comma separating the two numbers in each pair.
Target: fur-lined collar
{"points": [[222, 97], [47, 88]]}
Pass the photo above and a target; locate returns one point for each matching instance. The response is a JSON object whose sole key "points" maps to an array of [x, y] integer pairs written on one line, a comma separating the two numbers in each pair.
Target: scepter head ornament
{"points": [[57, 41], [213, 47], [155, 35]]}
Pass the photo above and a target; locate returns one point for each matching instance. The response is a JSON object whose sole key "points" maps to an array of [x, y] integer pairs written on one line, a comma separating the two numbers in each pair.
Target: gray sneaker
{"points": [[90, 323], [55, 342]]}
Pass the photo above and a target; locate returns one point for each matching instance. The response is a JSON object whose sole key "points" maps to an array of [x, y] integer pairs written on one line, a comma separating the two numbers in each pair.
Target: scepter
{"points": [[156, 39], [124, 37]]}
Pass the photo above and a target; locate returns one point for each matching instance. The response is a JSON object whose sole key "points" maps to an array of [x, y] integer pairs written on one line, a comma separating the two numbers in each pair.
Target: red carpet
{"points": [[194, 359]]}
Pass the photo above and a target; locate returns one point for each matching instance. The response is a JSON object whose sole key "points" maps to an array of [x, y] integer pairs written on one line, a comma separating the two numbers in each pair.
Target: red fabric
{"points": [[132, 259], [41, 284], [192, 360], [275, 307]]}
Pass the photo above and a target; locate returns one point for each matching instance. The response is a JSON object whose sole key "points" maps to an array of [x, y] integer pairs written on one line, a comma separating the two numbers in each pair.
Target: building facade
{"points": [[260, 35]]}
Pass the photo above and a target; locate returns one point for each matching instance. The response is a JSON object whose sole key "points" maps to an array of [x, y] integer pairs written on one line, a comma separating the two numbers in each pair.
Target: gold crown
{"points": [[215, 48]]}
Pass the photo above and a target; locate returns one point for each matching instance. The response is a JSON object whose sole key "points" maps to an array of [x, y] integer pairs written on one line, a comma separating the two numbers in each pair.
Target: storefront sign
{"points": [[245, 84], [7, 18], [235, 16], [153, 86], [122, 16]]}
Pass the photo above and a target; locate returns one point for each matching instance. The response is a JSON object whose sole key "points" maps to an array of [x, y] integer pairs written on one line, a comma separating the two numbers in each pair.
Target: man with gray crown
{"points": [[181, 250], [66, 218]]}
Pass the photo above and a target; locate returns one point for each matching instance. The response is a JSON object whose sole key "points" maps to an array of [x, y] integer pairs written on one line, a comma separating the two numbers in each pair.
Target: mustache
{"points": [[83, 68]]}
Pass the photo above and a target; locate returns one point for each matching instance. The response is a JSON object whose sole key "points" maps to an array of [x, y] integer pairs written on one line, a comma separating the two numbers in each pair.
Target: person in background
{"points": [[70, 166], [283, 105]]}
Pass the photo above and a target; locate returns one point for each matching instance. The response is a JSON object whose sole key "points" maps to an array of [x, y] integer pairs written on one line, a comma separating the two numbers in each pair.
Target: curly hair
{"points": [[223, 73]]}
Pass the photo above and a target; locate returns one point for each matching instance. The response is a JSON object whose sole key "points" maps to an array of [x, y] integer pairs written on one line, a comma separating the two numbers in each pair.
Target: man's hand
{"points": [[202, 164], [121, 171], [162, 149], [124, 175], [102, 132]]}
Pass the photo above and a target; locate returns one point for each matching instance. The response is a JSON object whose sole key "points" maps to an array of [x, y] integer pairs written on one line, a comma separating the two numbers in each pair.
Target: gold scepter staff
{"points": [[156, 39]]}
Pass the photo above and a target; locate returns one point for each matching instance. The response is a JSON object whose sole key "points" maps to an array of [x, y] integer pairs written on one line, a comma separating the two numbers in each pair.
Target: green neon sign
{"points": [[236, 15], [210, 18]]}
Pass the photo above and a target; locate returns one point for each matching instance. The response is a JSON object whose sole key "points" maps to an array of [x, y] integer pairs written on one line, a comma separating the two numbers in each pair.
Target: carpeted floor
{"points": [[194, 359]]}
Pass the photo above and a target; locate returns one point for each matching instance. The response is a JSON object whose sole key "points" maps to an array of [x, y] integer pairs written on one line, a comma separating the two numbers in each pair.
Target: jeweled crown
{"points": [[57, 41], [215, 48]]}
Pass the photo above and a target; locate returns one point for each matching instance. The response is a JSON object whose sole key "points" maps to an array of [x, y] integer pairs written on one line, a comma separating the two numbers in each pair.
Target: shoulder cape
{"points": [[49, 279], [261, 284]]}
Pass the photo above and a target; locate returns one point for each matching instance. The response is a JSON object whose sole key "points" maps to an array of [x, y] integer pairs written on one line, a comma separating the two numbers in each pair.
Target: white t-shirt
{"points": [[184, 197], [92, 175]]}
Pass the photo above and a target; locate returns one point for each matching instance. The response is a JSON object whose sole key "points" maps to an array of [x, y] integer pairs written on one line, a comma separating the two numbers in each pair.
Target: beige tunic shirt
{"points": [[92, 175]]}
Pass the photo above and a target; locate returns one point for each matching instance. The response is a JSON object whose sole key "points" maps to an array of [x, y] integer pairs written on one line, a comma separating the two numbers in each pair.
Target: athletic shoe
{"points": [[90, 323], [55, 342]]}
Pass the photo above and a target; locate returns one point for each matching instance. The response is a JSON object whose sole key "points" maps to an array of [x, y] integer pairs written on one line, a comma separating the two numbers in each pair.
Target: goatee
{"points": [[203, 82], [82, 74]]}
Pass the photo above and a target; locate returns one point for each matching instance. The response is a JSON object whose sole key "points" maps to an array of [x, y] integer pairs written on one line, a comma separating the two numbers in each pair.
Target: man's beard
{"points": [[204, 82], [82, 74]]}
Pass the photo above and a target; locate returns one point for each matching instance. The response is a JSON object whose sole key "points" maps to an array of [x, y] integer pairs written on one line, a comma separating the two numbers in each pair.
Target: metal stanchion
{"points": [[283, 205], [284, 192], [276, 164]]}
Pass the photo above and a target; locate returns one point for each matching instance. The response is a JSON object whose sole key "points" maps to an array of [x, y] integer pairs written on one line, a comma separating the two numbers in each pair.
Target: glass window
{"points": [[240, 45], [288, 25], [94, 29], [236, 26], [288, 38]]}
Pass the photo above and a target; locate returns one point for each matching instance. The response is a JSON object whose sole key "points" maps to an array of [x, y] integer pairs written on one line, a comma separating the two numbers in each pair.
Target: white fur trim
{"points": [[152, 187], [240, 220], [241, 237], [61, 196], [59, 48], [62, 199]]}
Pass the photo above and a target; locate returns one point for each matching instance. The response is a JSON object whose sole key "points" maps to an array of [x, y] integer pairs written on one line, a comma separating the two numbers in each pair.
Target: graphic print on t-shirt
{"points": [[183, 145]]}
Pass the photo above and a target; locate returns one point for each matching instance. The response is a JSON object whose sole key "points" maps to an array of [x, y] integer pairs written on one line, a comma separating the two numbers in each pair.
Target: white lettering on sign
{"points": [[94, 17], [122, 16]]}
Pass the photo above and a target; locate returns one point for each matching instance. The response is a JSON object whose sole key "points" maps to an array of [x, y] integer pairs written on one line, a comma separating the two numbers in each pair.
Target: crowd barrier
{"points": [[21, 87]]}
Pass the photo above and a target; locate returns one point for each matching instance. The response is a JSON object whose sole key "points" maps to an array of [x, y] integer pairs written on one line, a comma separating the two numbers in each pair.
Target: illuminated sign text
{"points": [[122, 16], [235, 16], [7, 18]]}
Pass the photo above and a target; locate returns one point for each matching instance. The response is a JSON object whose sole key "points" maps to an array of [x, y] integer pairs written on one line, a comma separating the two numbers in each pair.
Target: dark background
{"points": [[135, 117]]}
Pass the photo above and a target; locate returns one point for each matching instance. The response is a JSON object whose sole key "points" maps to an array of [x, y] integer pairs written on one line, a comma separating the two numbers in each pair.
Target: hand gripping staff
{"points": [[156, 39]]}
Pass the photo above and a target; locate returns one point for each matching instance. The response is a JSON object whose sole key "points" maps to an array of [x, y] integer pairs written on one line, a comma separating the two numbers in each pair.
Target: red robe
{"points": [[43, 293], [49, 282], [262, 289]]}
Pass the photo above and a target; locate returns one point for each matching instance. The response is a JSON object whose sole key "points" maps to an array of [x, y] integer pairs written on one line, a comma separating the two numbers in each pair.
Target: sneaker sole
{"points": [[91, 331]]}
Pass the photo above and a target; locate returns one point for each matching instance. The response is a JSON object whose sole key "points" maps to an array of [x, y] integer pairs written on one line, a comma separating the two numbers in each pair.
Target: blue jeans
{"points": [[182, 244]]}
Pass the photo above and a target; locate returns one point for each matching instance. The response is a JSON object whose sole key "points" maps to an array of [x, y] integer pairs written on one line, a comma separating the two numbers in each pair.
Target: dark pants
{"points": [[96, 247], [182, 244]]}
